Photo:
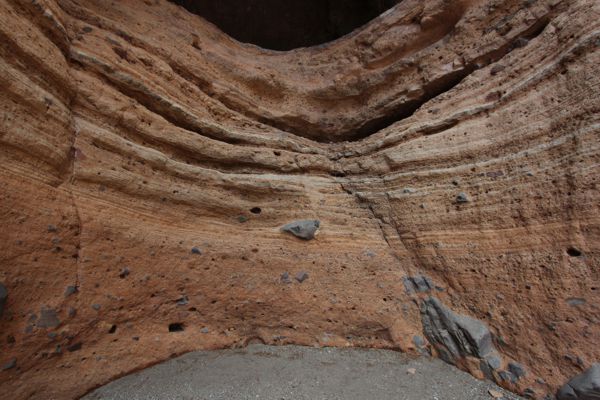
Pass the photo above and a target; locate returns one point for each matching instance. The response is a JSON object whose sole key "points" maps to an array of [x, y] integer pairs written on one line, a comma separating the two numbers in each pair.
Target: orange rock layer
{"points": [[453, 140]]}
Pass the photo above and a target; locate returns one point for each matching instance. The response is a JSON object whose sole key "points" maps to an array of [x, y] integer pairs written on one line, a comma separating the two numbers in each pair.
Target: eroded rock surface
{"points": [[134, 131]]}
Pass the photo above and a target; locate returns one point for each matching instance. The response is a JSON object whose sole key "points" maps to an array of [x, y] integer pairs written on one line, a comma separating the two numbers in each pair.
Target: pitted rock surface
{"points": [[132, 132]]}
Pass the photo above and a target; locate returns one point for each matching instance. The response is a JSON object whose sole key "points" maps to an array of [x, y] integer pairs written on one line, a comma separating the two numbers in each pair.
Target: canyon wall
{"points": [[449, 150]]}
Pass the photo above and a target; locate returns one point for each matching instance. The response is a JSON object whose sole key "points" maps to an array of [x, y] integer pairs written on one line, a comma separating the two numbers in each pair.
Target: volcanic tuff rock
{"points": [[138, 131]]}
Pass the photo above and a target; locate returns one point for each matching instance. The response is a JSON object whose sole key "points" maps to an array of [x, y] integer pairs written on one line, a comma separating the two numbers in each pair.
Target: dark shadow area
{"points": [[286, 25]]}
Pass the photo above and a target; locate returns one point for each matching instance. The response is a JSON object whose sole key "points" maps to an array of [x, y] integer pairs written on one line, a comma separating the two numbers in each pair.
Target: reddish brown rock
{"points": [[138, 131]]}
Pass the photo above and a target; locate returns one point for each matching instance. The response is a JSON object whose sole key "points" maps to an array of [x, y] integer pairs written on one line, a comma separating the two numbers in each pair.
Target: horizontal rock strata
{"points": [[453, 140]]}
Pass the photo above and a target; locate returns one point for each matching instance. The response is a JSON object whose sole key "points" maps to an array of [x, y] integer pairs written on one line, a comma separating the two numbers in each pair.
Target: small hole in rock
{"points": [[112, 329], [256, 210], [176, 327], [573, 252]]}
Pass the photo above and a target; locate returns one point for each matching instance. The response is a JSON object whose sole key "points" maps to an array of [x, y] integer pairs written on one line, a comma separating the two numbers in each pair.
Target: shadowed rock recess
{"points": [[162, 185]]}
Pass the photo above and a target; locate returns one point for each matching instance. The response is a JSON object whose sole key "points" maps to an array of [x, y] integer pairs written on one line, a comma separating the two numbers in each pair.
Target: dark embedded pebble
{"points": [[182, 301], [72, 312], [96, 306], [305, 229], [52, 335], [242, 218], [3, 297], [575, 301], [70, 290], [462, 198], [494, 362], [136, 338], [517, 370], [10, 364], [196, 250], [87, 29], [75, 347], [204, 330], [507, 376], [418, 341], [496, 68], [301, 276], [124, 273], [285, 278], [52, 228]]}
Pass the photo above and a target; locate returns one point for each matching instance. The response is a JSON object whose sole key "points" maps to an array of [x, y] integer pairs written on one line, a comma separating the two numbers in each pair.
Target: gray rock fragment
{"points": [[285, 278], [506, 376], [462, 198], [305, 229], [494, 362], [517, 370], [70, 290], [301, 276], [454, 336], [3, 297], [196, 250], [585, 386], [575, 301]]}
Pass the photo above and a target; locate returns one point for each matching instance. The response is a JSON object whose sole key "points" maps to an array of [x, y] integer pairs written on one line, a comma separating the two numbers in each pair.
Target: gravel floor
{"points": [[295, 373]]}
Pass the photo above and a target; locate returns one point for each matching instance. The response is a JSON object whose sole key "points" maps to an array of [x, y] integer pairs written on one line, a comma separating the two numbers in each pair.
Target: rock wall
{"points": [[449, 151]]}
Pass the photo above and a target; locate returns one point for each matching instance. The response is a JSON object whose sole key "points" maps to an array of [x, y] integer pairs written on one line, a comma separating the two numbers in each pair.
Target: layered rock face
{"points": [[448, 150]]}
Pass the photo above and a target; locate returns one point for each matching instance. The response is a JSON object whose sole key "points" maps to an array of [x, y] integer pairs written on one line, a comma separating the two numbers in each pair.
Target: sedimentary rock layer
{"points": [[149, 162]]}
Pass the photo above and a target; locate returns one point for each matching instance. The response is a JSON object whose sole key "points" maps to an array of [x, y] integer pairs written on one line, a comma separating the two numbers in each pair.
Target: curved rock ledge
{"points": [[149, 162]]}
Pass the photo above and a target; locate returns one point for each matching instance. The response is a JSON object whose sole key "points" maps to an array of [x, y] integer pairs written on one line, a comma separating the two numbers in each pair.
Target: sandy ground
{"points": [[293, 372]]}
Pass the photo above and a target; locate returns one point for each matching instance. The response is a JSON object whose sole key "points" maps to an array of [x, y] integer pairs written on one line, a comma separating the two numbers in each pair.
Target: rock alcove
{"points": [[286, 25], [447, 152]]}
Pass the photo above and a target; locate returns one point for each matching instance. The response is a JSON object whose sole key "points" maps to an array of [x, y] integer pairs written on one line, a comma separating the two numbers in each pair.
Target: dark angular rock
{"points": [[204, 330], [52, 228], [124, 273], [182, 301], [12, 363], [454, 336], [48, 319], [285, 278], [585, 386], [70, 290], [3, 297], [517, 370], [72, 312], [305, 229], [75, 347], [301, 276], [96, 307], [507, 377], [196, 250], [462, 198]]}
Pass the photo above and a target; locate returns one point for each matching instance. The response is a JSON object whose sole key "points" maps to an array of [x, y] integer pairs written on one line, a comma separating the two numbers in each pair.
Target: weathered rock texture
{"points": [[133, 132]]}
